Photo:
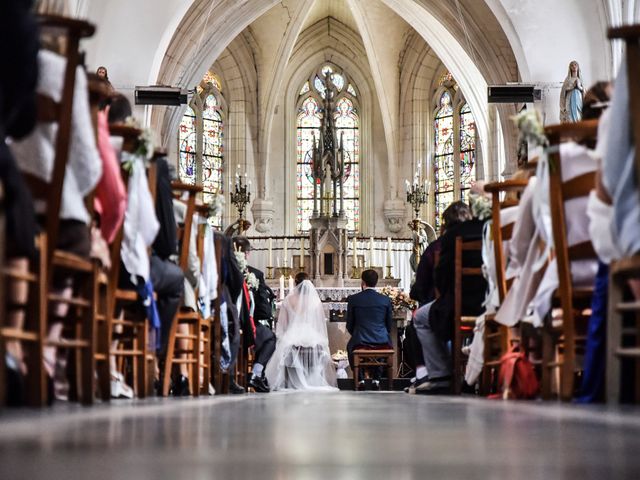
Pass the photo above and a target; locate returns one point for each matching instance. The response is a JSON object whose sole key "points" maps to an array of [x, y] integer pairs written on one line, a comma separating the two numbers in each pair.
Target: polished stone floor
{"points": [[323, 436]]}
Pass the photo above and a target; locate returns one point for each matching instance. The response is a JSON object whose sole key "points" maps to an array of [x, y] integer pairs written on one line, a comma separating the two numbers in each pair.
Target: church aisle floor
{"points": [[323, 436]]}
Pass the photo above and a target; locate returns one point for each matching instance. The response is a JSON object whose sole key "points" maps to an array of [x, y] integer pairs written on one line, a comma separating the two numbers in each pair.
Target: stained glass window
{"points": [[201, 141], [187, 145], [443, 158], [347, 122], [454, 160], [309, 118], [212, 158], [467, 150]]}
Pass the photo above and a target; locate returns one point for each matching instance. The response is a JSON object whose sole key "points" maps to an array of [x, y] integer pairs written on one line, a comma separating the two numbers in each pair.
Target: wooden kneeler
{"points": [[363, 358]]}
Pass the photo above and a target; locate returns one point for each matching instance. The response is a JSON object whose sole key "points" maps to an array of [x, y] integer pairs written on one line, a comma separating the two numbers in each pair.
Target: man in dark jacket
{"points": [[265, 339], [434, 322], [369, 317]]}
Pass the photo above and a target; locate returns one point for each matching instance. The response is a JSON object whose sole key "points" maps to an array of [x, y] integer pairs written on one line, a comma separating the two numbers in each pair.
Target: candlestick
{"points": [[388, 251], [371, 252], [302, 253], [291, 284], [281, 287], [285, 252], [270, 252]]}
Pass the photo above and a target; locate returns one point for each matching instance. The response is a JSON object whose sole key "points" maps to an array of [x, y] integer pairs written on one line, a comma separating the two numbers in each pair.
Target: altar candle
{"points": [[270, 252], [302, 252], [281, 287], [291, 285], [371, 252], [388, 251], [285, 252], [278, 262]]}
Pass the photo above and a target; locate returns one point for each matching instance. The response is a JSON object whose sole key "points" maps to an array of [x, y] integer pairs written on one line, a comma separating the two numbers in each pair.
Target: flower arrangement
{"points": [[216, 207], [531, 129], [250, 278], [480, 206], [339, 355], [145, 140], [399, 298]]}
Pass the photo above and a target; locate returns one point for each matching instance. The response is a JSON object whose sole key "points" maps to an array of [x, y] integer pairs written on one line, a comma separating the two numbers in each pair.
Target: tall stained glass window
{"points": [[454, 160], [347, 122], [201, 140]]}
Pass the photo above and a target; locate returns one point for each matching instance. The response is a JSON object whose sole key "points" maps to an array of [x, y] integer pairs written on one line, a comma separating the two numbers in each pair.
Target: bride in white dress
{"points": [[302, 360]]}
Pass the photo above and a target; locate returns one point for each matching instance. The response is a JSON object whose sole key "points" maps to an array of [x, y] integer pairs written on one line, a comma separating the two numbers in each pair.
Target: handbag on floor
{"points": [[517, 378]]}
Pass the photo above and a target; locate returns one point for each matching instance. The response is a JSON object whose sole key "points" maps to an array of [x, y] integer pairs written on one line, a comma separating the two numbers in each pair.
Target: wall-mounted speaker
{"points": [[159, 95], [516, 93]]}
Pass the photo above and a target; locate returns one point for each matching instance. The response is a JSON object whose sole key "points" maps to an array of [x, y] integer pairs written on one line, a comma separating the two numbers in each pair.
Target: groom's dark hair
{"points": [[370, 278], [242, 243], [301, 277]]}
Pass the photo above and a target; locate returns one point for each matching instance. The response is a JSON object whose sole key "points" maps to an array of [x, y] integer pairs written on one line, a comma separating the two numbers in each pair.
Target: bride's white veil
{"points": [[302, 359]]}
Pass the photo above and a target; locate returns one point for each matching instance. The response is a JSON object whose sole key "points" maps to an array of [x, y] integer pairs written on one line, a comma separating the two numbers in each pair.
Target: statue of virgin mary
{"points": [[571, 95]]}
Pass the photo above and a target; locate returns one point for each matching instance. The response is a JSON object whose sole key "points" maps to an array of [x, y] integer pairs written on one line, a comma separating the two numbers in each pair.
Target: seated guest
{"points": [[35, 155], [606, 245], [434, 321], [369, 318], [265, 339], [423, 289], [18, 78]]}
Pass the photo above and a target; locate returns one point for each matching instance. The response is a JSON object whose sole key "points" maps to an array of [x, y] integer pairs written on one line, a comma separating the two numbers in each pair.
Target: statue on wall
{"points": [[571, 95]]}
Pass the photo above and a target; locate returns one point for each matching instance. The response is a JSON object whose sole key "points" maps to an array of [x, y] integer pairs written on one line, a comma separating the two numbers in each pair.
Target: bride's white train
{"points": [[302, 360]]}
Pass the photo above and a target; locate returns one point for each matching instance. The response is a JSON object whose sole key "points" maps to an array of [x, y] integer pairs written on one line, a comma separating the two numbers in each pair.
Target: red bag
{"points": [[517, 378]]}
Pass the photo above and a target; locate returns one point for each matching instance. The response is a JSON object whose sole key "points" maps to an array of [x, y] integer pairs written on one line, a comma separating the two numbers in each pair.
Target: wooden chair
{"points": [[572, 300], [189, 352], [205, 325], [123, 319], [463, 325], [496, 336], [627, 268], [81, 326], [363, 357], [220, 380]]}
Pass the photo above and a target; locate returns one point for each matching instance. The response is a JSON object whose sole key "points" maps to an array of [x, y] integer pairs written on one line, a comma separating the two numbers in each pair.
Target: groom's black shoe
{"points": [[258, 385], [234, 388]]}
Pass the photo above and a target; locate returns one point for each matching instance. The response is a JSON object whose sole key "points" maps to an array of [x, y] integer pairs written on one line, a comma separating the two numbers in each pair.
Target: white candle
{"points": [[302, 252], [270, 252], [278, 262], [285, 252], [281, 287], [291, 285], [371, 252], [388, 251]]}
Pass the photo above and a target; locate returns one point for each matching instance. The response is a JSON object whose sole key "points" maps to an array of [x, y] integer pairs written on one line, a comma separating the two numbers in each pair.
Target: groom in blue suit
{"points": [[369, 317]]}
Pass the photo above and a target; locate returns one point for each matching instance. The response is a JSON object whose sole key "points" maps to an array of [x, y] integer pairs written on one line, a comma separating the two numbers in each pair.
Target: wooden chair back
{"points": [[61, 113], [561, 192], [626, 268], [501, 233], [463, 325]]}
